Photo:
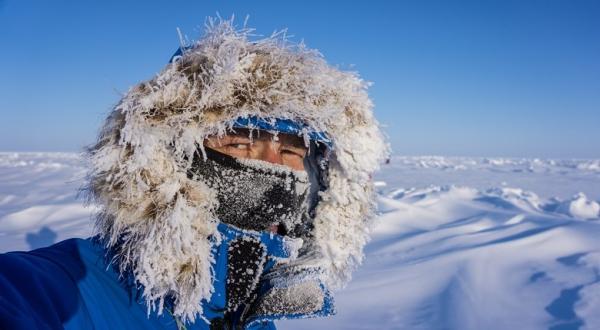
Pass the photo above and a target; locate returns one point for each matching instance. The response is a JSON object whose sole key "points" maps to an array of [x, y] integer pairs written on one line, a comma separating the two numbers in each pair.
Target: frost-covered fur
{"points": [[160, 224]]}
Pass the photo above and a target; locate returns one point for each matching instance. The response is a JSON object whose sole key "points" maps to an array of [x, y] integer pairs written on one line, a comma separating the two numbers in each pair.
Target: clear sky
{"points": [[458, 78]]}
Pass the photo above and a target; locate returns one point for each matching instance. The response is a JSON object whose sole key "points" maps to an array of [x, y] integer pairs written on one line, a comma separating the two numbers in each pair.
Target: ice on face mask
{"points": [[254, 194]]}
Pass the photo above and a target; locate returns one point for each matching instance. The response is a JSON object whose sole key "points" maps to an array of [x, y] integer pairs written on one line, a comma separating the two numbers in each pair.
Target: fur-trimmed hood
{"points": [[160, 223]]}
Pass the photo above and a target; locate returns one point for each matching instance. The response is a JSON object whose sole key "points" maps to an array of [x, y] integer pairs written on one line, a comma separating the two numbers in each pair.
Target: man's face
{"points": [[283, 149]]}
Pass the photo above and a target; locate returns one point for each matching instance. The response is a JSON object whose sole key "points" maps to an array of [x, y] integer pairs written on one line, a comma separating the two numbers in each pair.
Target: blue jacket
{"points": [[70, 285]]}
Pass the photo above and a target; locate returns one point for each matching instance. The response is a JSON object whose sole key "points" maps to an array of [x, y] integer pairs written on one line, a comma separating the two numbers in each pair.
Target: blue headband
{"points": [[287, 126]]}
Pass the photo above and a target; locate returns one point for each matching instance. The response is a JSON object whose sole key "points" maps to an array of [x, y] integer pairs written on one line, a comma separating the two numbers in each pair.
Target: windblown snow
{"points": [[460, 243]]}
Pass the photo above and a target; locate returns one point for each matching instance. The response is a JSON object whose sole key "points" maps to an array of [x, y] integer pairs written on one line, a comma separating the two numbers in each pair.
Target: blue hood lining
{"points": [[286, 126]]}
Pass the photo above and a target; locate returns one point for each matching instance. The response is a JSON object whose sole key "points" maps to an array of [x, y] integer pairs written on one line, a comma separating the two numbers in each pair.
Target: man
{"points": [[235, 189]]}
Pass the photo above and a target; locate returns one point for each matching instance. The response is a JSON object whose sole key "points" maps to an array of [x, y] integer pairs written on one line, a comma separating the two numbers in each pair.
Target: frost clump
{"points": [[579, 206]]}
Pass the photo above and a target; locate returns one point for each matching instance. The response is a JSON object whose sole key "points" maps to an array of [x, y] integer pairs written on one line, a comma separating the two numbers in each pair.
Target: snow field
{"points": [[460, 243]]}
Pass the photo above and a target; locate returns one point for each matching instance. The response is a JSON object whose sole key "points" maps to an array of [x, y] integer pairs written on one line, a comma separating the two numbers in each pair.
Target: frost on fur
{"points": [[160, 223]]}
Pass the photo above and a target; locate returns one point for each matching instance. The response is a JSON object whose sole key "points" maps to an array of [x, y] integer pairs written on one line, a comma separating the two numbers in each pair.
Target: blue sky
{"points": [[459, 78]]}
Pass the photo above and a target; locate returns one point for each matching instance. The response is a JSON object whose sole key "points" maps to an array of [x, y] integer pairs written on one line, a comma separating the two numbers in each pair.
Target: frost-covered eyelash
{"points": [[237, 145], [294, 151], [291, 151]]}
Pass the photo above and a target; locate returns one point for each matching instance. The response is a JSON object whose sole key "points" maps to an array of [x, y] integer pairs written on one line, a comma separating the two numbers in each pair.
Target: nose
{"points": [[271, 154]]}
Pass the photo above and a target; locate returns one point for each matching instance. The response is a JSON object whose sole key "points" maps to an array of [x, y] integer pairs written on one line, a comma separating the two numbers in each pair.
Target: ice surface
{"points": [[579, 206], [463, 243], [460, 243], [38, 199], [546, 177]]}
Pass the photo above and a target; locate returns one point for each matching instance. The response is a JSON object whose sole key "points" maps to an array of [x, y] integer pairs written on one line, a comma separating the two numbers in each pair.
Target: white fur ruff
{"points": [[160, 223]]}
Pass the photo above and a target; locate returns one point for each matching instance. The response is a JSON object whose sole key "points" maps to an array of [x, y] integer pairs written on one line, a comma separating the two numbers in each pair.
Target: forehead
{"points": [[263, 135]]}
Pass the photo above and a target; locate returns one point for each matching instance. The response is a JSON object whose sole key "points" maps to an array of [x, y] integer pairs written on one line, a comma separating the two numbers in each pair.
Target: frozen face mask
{"points": [[254, 194]]}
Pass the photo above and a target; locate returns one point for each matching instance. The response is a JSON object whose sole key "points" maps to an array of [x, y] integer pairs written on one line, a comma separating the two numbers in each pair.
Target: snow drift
{"points": [[474, 251]]}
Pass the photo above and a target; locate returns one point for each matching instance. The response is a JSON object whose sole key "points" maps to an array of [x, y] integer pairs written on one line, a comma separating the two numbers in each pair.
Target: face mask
{"points": [[254, 194]]}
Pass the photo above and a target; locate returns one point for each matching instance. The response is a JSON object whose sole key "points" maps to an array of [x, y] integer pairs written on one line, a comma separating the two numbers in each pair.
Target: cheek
{"points": [[295, 162], [236, 152], [222, 148], [213, 143]]}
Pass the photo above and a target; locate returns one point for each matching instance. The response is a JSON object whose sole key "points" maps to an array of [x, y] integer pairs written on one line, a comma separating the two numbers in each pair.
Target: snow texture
{"points": [[475, 251], [139, 163]]}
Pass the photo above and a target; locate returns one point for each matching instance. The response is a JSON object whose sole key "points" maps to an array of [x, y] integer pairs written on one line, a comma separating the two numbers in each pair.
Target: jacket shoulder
{"points": [[39, 288]]}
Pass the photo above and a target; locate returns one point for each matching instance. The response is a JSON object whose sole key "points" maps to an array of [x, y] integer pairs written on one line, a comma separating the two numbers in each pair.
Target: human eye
{"points": [[294, 151], [238, 146]]}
